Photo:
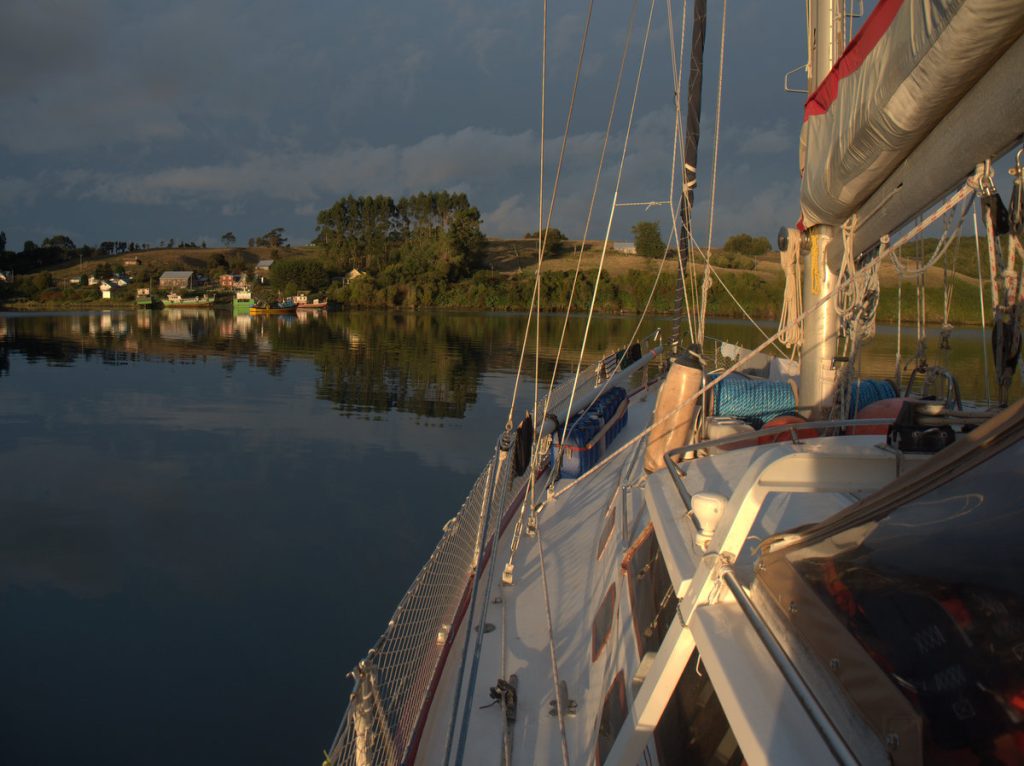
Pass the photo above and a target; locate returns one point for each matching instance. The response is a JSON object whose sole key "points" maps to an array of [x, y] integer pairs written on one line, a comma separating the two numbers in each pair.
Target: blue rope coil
{"points": [[761, 400], [752, 399], [865, 392]]}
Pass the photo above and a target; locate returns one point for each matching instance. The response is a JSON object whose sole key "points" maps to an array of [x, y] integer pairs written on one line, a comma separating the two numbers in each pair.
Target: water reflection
{"points": [[194, 538], [427, 364]]}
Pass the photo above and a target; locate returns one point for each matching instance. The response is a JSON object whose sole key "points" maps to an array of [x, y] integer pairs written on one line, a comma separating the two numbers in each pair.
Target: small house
{"points": [[106, 290], [6, 276], [133, 261], [177, 279], [233, 281], [265, 265], [353, 274], [627, 248]]}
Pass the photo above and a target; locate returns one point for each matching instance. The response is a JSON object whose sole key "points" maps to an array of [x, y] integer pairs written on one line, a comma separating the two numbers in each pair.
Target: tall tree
{"points": [[3, 242], [554, 241], [273, 238], [59, 241], [647, 238], [747, 245], [228, 239]]}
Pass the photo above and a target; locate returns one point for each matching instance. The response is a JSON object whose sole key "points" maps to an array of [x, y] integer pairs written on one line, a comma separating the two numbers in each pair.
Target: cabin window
{"points": [[613, 715], [651, 595], [606, 532], [602, 626], [693, 730]]}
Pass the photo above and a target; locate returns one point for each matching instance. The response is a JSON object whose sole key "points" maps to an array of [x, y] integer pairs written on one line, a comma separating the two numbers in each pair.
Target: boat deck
{"points": [[789, 484]]}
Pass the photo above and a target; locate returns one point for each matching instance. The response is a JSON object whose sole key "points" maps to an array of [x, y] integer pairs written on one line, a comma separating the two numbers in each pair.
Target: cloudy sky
{"points": [[154, 119]]}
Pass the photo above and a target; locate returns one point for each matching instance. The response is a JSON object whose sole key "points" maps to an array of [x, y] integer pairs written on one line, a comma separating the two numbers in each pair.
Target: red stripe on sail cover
{"points": [[856, 52]]}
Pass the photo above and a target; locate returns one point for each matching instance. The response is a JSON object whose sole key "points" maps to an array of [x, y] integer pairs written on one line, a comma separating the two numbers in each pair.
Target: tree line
{"points": [[431, 233]]}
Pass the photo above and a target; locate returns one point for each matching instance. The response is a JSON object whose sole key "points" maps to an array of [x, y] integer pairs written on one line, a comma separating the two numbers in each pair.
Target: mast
{"points": [[694, 93], [820, 326]]}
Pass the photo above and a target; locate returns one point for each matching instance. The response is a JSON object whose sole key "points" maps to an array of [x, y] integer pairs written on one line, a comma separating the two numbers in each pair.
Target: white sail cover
{"points": [[912, 61]]}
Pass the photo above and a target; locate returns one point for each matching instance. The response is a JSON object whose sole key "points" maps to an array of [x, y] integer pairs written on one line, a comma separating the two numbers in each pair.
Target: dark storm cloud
{"points": [[207, 116]]}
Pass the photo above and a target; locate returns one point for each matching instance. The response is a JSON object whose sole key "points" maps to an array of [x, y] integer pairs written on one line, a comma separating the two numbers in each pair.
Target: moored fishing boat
{"points": [[144, 299], [193, 301], [241, 302], [687, 557], [272, 308], [306, 303]]}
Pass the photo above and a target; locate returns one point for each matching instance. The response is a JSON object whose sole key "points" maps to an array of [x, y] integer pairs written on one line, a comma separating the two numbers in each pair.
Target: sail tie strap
{"points": [[791, 335]]}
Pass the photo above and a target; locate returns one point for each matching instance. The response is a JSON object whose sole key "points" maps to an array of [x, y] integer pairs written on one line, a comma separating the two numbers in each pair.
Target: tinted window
{"points": [[933, 592], [602, 626], [613, 714], [693, 730], [651, 595], [606, 532]]}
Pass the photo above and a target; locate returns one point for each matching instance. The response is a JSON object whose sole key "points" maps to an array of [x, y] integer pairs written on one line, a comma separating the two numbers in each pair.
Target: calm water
{"points": [[207, 520]]}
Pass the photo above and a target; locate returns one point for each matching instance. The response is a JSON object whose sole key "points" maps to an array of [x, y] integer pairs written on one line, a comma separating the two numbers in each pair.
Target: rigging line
{"points": [[718, 125], [717, 276], [481, 535], [611, 214], [493, 496], [671, 203], [609, 459], [535, 297], [695, 85], [542, 235], [636, 332], [947, 238], [568, 119], [544, 231], [687, 278], [677, 149], [593, 202], [551, 650], [899, 333], [981, 305]]}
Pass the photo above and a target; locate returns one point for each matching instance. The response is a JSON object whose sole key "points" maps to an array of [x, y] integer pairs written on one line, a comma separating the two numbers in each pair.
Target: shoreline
{"points": [[28, 307]]}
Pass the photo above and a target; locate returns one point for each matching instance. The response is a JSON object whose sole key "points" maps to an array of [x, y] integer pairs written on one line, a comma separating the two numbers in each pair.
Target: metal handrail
{"points": [[791, 428], [800, 688]]}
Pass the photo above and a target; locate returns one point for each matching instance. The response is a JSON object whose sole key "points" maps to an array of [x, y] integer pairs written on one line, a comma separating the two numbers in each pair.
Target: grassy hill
{"points": [[178, 258], [505, 277]]}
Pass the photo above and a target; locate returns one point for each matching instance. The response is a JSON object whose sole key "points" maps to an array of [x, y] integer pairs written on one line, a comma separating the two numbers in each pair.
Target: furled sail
{"points": [[910, 64]]}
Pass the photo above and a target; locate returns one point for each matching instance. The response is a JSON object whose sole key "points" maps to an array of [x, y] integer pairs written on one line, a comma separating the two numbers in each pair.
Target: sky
{"points": [[146, 120]]}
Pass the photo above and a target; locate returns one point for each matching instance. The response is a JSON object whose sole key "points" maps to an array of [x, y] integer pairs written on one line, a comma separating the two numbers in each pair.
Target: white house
{"points": [[106, 290], [625, 247]]}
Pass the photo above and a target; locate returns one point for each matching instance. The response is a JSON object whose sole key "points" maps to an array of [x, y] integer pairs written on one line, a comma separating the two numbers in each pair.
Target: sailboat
{"points": [[665, 562]]}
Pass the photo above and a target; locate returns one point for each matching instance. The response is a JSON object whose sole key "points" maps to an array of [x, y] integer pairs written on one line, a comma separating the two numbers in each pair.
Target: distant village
{"points": [[173, 280]]}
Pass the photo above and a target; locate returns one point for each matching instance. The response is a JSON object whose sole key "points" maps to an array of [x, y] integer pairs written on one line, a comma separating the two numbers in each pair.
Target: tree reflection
{"points": [[429, 364]]}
